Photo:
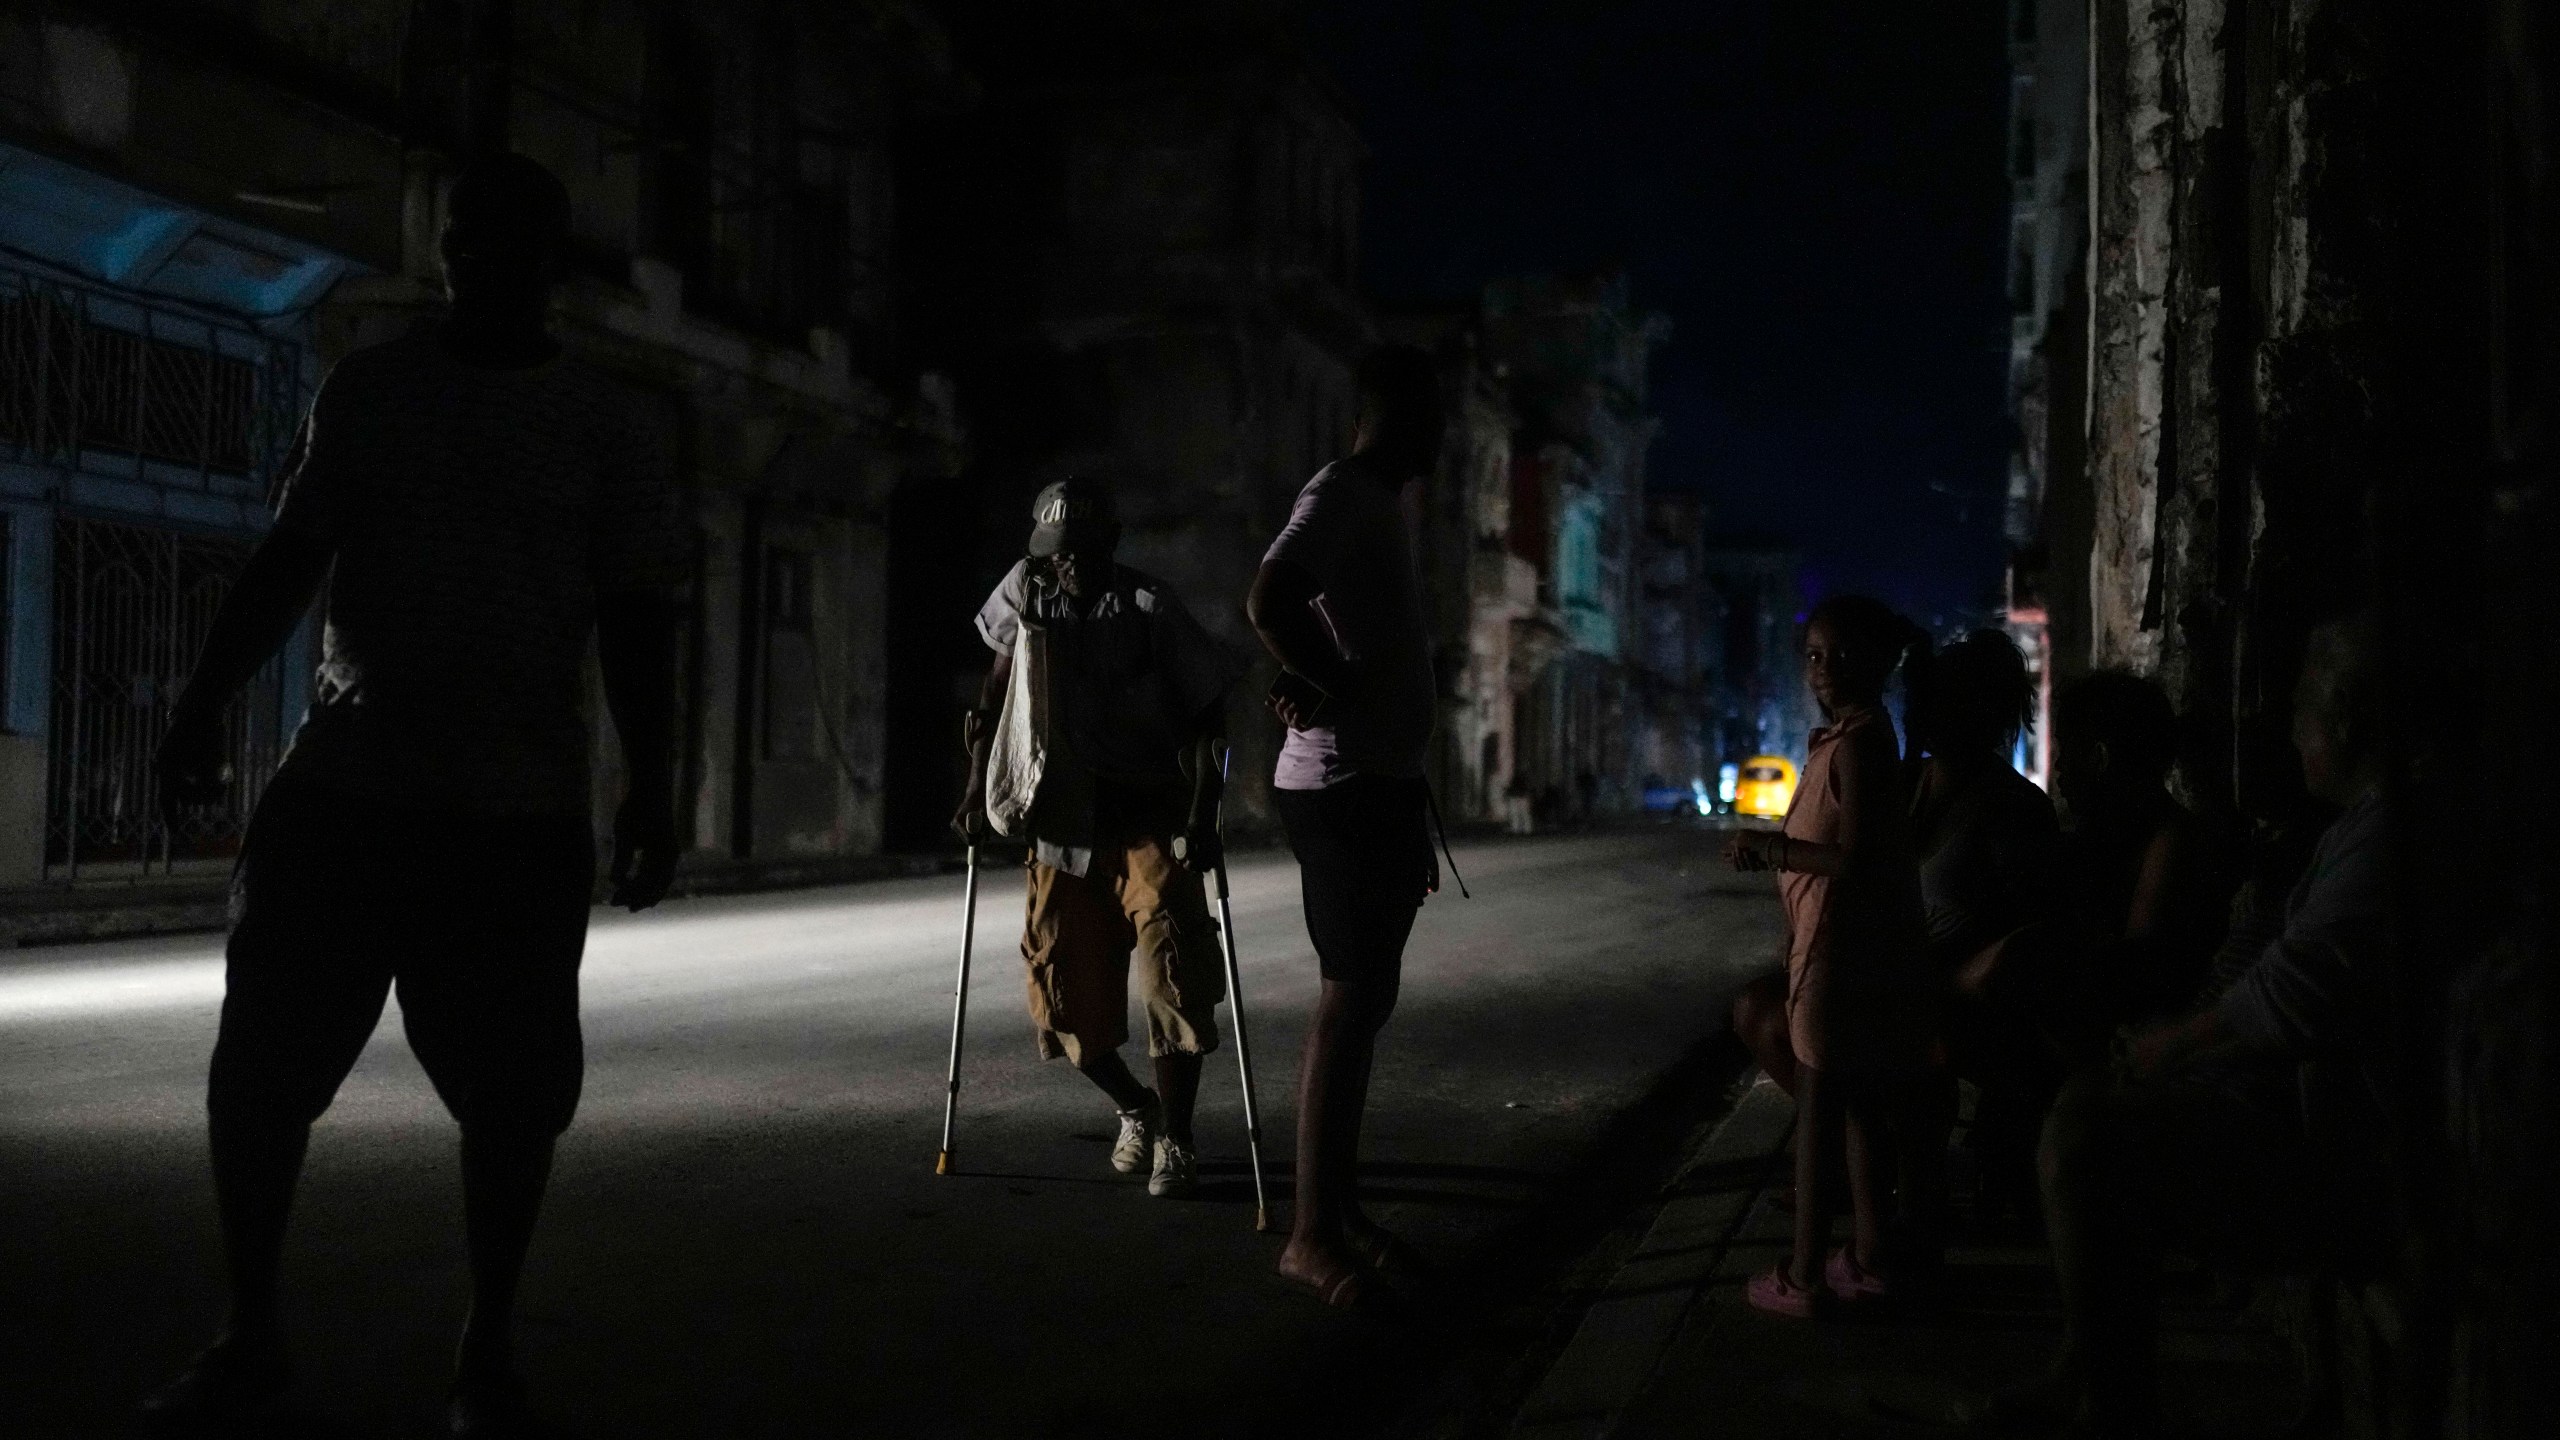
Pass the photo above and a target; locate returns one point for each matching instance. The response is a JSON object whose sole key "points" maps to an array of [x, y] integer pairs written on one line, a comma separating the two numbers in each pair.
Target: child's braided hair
{"points": [[1870, 628], [1874, 629]]}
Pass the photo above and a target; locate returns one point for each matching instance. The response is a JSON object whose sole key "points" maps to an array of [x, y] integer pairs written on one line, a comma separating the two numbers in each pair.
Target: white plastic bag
{"points": [[1021, 750]]}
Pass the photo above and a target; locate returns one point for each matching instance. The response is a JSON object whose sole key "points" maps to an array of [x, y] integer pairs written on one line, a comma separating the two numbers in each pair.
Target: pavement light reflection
{"points": [[848, 931], [903, 923], [94, 987]]}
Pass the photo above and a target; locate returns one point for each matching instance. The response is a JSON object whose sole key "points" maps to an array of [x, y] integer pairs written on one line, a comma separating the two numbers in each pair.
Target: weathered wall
{"points": [[2233, 240], [2326, 291]]}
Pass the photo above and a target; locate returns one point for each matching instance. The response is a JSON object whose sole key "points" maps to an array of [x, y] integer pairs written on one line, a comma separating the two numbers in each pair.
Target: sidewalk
{"points": [[1671, 1349]]}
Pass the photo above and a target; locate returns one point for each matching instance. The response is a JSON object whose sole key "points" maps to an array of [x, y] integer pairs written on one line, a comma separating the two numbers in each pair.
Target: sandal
{"points": [[1854, 1283], [1355, 1289], [1389, 1254], [1774, 1292]]}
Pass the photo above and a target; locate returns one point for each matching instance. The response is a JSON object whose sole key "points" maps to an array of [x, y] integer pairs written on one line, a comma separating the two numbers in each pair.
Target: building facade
{"points": [[1135, 257], [1756, 701], [1674, 759], [206, 206], [2048, 517], [1560, 700]]}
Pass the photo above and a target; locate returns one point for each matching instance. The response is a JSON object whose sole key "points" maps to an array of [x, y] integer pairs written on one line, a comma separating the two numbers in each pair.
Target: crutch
{"points": [[1235, 1009], [960, 1009]]}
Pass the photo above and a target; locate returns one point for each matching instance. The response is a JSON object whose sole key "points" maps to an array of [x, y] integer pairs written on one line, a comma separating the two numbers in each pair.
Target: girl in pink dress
{"points": [[1859, 1012]]}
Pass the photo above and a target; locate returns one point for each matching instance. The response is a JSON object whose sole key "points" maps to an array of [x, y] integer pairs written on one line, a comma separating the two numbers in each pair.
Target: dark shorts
{"points": [[1364, 866], [479, 920]]}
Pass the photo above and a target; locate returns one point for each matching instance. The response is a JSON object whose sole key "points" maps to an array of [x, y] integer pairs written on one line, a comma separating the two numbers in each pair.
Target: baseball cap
{"points": [[1073, 508]]}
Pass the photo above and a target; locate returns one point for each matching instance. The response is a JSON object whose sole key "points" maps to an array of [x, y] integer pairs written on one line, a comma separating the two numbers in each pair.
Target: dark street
{"points": [[746, 1237], [1972, 584]]}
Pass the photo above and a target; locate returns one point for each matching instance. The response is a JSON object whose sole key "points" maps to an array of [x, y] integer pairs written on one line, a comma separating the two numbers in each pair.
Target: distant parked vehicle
{"points": [[1766, 786]]}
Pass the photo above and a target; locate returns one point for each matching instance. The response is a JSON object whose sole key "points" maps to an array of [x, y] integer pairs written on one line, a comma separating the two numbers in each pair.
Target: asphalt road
{"points": [[746, 1236]]}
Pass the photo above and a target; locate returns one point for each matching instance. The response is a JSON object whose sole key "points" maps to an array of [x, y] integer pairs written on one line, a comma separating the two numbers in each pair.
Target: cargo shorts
{"points": [[1078, 939]]}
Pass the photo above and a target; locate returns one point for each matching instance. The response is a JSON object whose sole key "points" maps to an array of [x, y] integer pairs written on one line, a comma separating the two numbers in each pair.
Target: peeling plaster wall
{"points": [[2325, 270], [2132, 260], [2234, 230]]}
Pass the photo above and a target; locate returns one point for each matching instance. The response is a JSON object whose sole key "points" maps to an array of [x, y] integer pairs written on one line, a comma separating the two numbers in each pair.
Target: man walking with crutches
{"points": [[1134, 694]]}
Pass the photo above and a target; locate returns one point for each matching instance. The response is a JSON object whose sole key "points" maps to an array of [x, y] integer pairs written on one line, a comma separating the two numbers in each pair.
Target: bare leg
{"points": [[256, 1164], [1819, 1130], [503, 1179], [1870, 1149], [1106, 1069], [1760, 1021], [1178, 1082], [1353, 1107], [256, 1161], [1333, 1084]]}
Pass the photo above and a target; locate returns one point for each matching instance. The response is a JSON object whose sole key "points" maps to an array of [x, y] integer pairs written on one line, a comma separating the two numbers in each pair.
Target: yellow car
{"points": [[1766, 786]]}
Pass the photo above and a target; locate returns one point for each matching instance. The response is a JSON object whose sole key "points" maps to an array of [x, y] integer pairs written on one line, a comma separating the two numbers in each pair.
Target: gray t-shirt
{"points": [[1348, 532], [2319, 988], [1129, 674], [474, 515]]}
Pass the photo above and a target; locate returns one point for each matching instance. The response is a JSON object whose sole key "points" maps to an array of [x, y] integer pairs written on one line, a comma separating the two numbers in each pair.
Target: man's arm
{"points": [[1202, 848], [2198, 1039], [635, 646], [979, 735], [1281, 608], [2312, 988], [274, 591]]}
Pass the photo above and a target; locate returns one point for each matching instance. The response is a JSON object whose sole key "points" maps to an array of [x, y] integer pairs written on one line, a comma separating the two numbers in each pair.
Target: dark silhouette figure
{"points": [[1126, 821], [1337, 602], [2141, 882], [1988, 850], [2248, 1132], [477, 507]]}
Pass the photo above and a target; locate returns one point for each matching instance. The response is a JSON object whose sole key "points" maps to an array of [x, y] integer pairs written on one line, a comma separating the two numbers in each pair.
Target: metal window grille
{"points": [[101, 381], [94, 379], [132, 606]]}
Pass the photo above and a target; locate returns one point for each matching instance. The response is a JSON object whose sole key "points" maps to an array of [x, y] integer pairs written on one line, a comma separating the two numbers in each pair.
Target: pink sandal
{"points": [[1852, 1282], [1772, 1293]]}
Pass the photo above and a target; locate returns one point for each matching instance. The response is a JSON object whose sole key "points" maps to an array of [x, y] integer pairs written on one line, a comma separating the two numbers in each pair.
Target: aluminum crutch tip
{"points": [[1261, 1220], [942, 1163]]}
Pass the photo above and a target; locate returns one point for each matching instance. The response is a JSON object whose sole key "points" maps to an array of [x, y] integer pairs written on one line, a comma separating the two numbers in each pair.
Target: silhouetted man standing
{"points": [[1338, 603], [478, 507]]}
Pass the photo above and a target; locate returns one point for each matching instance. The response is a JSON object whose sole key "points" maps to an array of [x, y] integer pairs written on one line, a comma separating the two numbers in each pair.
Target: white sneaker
{"points": [[1177, 1170], [1137, 1136]]}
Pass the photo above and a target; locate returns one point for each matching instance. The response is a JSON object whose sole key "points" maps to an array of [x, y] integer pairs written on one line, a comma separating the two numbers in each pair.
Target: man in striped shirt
{"points": [[476, 506]]}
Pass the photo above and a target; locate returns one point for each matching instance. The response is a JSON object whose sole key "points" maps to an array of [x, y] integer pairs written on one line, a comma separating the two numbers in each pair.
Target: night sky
{"points": [[1812, 190]]}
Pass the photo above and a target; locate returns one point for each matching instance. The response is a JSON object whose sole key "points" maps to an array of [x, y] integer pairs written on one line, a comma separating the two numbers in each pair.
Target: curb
{"points": [[1622, 1338]]}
